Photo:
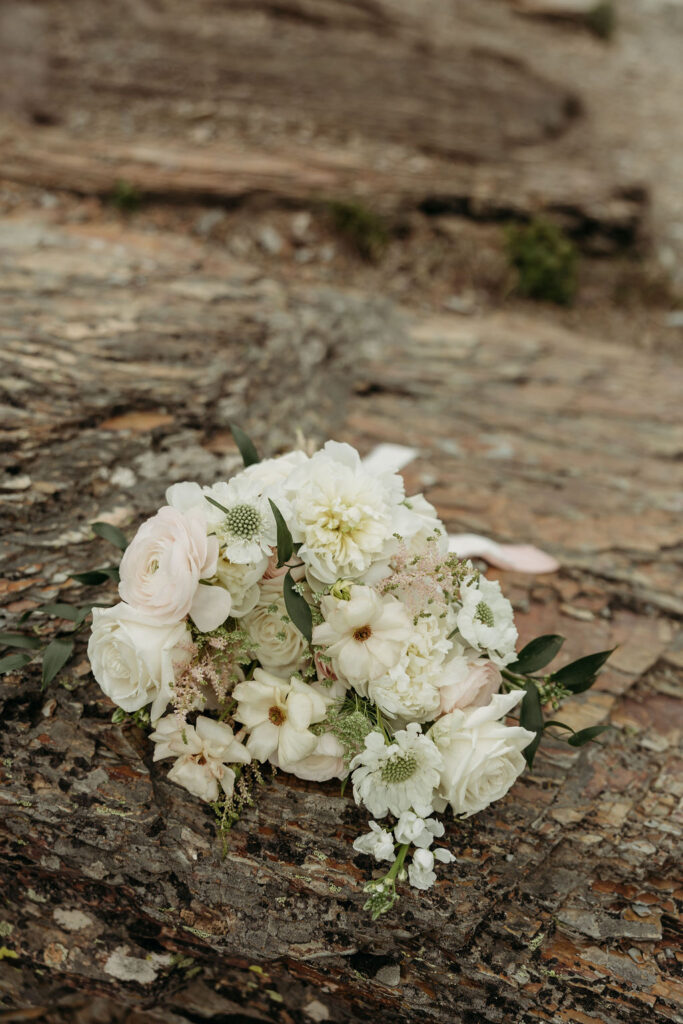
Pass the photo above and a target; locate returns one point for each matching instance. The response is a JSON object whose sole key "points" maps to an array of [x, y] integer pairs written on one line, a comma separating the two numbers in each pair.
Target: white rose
{"points": [[278, 644], [162, 567], [482, 756], [135, 660], [471, 684]]}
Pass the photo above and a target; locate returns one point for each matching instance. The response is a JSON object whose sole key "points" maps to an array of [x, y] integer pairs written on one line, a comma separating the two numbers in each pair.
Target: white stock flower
{"points": [[482, 756], [486, 620], [162, 566], [203, 754], [377, 843], [399, 777], [135, 659], [342, 514], [278, 645], [471, 684], [246, 531], [411, 828], [278, 715], [363, 636]]}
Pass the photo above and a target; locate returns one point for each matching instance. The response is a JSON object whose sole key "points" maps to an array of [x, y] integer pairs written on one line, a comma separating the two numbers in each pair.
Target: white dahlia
{"points": [[399, 777]]}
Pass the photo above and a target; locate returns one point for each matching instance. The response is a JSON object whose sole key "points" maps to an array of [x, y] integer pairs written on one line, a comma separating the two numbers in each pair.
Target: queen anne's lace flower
{"points": [[278, 716], [397, 777], [203, 755], [486, 620], [363, 636], [377, 843]]}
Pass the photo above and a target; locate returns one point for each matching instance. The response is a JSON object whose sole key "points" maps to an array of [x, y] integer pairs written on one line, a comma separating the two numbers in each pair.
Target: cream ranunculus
{"points": [[203, 755], [162, 567], [471, 685], [482, 756], [135, 660], [278, 715], [278, 645]]}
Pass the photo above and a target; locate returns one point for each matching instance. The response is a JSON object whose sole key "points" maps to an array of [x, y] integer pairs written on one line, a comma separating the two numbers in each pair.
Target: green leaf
{"points": [[285, 544], [531, 718], [13, 661], [32, 643], [112, 534], [246, 446], [586, 735], [65, 611], [580, 675], [537, 654], [558, 725], [298, 608], [95, 577], [217, 504], [55, 658]]}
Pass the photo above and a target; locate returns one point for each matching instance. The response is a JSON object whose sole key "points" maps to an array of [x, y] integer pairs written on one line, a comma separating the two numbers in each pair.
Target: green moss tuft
{"points": [[364, 230], [546, 261]]}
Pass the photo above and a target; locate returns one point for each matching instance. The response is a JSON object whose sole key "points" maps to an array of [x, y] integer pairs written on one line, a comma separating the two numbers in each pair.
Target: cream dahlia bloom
{"points": [[482, 756], [363, 636], [203, 755], [486, 620], [278, 715], [342, 514], [397, 777]]}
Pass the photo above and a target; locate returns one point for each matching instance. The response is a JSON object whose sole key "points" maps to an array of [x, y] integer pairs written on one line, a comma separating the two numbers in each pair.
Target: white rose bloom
{"points": [[341, 513], [246, 531], [470, 684], [482, 756], [203, 754], [377, 843], [325, 763], [134, 659], [278, 715], [411, 828], [363, 636], [278, 645], [399, 777], [486, 620], [162, 567]]}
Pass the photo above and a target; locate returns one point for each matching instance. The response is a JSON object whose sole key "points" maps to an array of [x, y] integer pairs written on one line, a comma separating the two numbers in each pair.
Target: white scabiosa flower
{"points": [[363, 636], [278, 715], [377, 843], [246, 530], [203, 755], [397, 777], [486, 620], [482, 756], [342, 514]]}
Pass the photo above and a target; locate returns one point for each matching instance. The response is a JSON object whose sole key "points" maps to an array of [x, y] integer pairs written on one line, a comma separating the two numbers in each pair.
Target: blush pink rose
{"points": [[161, 569], [472, 688]]}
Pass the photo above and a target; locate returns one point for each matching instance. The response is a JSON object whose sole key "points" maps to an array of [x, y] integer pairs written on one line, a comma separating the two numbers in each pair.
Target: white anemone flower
{"points": [[363, 636], [377, 843], [278, 715], [342, 514], [486, 620], [246, 530], [203, 752], [397, 777]]}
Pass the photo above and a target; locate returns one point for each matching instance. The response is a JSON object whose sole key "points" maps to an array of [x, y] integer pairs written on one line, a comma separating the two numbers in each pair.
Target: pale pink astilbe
{"points": [[212, 672], [424, 582]]}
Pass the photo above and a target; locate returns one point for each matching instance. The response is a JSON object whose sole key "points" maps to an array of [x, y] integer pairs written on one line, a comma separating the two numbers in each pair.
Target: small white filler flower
{"points": [[399, 777], [377, 843]]}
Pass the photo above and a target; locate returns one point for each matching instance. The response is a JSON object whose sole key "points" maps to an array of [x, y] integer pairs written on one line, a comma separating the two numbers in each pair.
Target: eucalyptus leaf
{"points": [[558, 725], [285, 544], [55, 658], [586, 735], [96, 577], [31, 643], [13, 661], [246, 446], [537, 654], [112, 534], [298, 608], [72, 613], [581, 674], [531, 718]]}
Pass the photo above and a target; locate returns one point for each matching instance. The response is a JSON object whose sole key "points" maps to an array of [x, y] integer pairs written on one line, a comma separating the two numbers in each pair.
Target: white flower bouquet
{"points": [[307, 615]]}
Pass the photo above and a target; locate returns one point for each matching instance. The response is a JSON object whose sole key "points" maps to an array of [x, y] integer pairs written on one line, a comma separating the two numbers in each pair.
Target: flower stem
{"points": [[398, 863]]}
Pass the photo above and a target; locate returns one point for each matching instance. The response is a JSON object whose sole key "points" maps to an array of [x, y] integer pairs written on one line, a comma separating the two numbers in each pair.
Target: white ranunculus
{"points": [[342, 514], [397, 777], [325, 763], [278, 645], [278, 715], [486, 620], [363, 636], [134, 659], [162, 567], [245, 524], [203, 755], [377, 843], [482, 756], [471, 684]]}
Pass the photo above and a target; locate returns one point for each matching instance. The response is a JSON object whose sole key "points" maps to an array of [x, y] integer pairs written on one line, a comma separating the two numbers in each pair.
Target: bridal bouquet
{"points": [[306, 614]]}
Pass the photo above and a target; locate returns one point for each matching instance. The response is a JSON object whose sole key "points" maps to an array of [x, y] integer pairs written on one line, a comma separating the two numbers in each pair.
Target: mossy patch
{"points": [[364, 230], [545, 261]]}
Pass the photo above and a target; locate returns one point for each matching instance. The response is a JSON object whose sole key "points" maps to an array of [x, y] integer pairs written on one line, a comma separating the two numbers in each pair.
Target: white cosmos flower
{"points": [[377, 843], [203, 754], [278, 715], [363, 636], [278, 645], [399, 777], [246, 531], [341, 513], [486, 620], [482, 756]]}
